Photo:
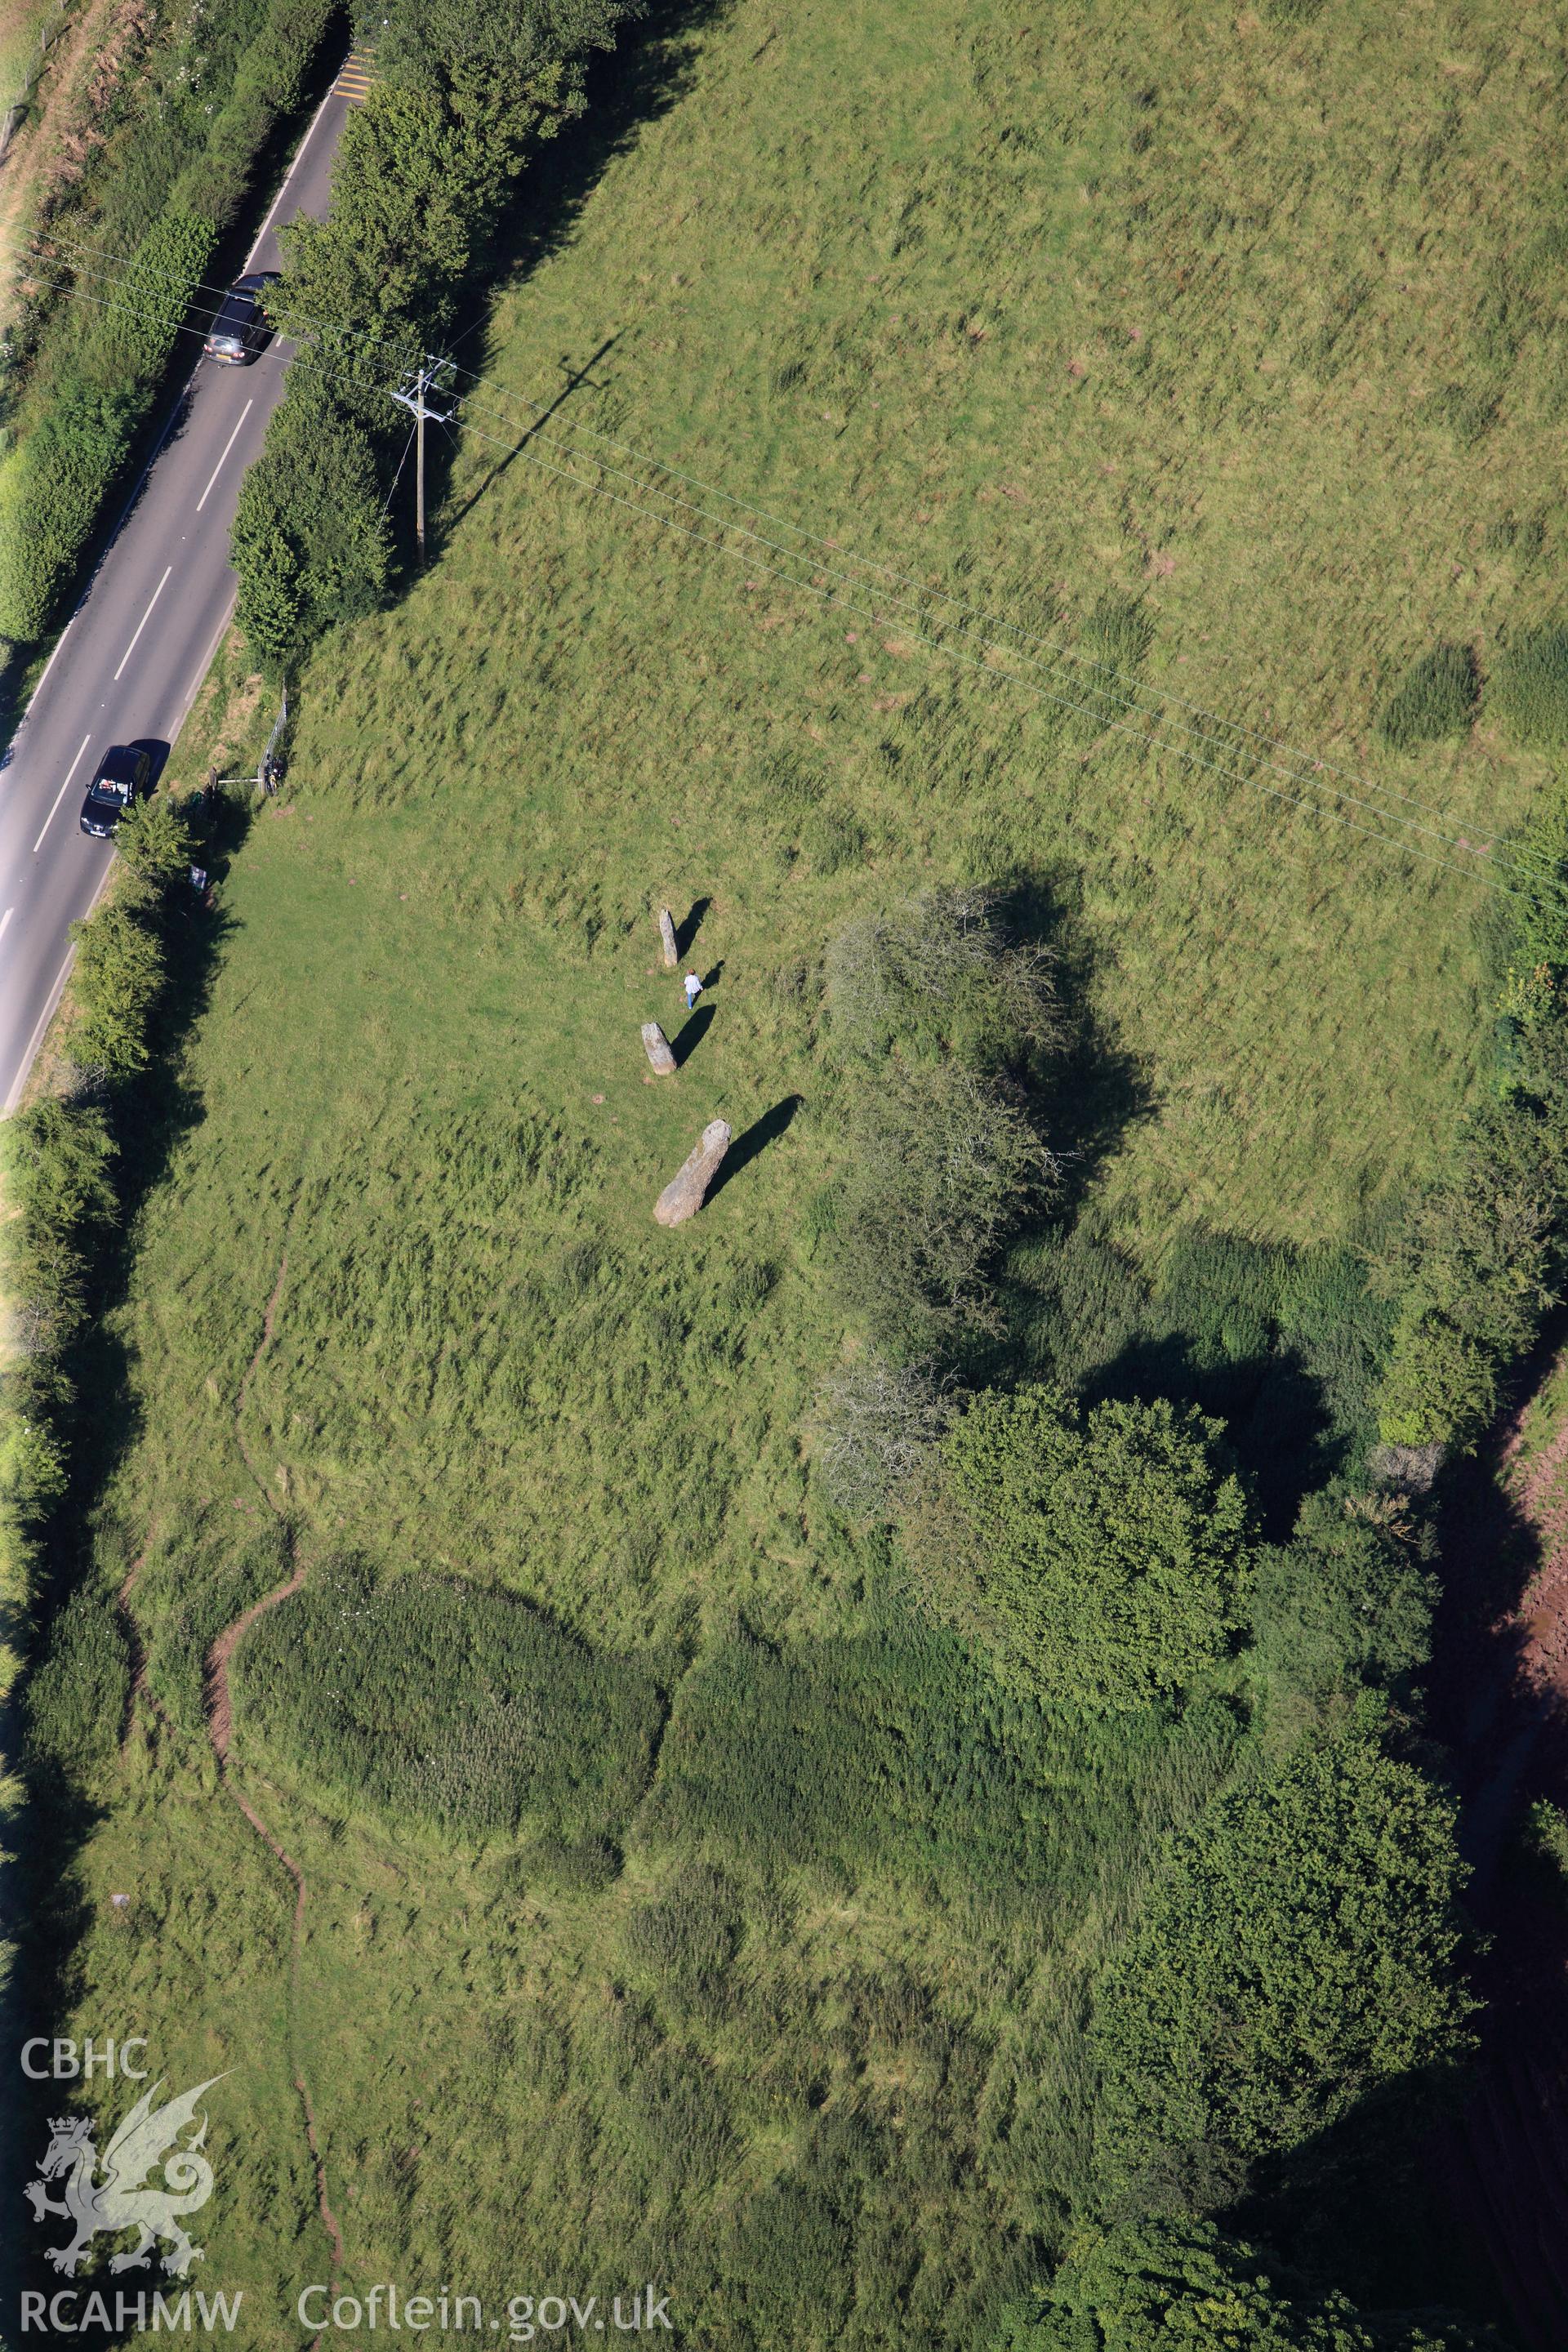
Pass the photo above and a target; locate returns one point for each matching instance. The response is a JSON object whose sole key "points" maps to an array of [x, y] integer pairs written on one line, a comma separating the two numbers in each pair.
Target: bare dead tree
{"points": [[874, 1426], [942, 952]]}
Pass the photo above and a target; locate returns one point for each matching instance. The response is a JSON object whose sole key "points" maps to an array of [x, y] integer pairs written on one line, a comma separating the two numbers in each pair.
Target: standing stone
{"points": [[667, 933], [656, 1046], [684, 1194]]}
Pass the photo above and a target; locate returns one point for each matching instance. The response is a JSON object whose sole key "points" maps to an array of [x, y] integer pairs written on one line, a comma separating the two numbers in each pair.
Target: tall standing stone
{"points": [[656, 1045], [684, 1194]]}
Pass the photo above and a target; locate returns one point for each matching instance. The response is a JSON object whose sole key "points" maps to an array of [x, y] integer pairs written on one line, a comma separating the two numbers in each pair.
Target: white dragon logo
{"points": [[122, 2200]]}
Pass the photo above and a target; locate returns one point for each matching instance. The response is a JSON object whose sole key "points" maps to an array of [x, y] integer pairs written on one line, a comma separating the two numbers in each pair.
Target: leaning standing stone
{"points": [[667, 933], [656, 1046], [684, 1194]]}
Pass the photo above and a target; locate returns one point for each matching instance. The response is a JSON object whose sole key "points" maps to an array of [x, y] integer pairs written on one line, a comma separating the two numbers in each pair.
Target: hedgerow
{"points": [[1097, 1560], [95, 377], [61, 1160], [1474, 1268], [462, 99], [310, 541]]}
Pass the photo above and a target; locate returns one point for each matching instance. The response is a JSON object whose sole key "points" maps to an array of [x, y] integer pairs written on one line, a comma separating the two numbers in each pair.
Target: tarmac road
{"points": [[133, 656]]}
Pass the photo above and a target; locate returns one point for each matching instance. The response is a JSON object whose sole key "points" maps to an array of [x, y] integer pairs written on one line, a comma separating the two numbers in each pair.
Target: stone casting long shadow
{"points": [[685, 932], [692, 1036]]}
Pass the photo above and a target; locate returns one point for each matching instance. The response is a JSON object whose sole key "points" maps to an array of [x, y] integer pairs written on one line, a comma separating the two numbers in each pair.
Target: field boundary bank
{"points": [[48, 34]]}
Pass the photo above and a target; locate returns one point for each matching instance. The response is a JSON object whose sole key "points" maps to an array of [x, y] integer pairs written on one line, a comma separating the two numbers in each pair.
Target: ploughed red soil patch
{"points": [[1541, 1488], [1501, 1700]]}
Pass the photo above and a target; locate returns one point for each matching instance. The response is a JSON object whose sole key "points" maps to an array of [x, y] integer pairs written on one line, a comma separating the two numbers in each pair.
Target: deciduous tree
{"points": [[1098, 1556], [1299, 1949]]}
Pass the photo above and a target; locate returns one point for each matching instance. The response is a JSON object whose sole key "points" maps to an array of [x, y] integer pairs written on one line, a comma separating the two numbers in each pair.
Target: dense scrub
{"points": [[1162, 2286], [1437, 697], [1527, 690], [1095, 1558], [463, 1708], [1474, 1268], [1007, 1802], [1296, 1956]]}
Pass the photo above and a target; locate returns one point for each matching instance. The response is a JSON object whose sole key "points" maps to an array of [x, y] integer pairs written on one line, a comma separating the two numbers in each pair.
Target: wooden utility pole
{"points": [[419, 473], [412, 397]]}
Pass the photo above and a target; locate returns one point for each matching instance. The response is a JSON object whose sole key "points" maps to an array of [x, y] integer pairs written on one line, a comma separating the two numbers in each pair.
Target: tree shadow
{"points": [[1087, 1092], [1458, 2193], [692, 1036], [1496, 2165], [1360, 2206], [1402, 2203], [1275, 1422], [14, 670], [755, 1140]]}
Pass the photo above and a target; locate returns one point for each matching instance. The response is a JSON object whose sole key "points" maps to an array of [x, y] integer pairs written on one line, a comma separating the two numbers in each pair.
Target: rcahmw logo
{"points": [[120, 2197], [70, 2311]]}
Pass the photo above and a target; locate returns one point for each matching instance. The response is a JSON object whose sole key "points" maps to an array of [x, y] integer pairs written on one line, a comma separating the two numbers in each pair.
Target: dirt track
{"points": [[219, 1712]]}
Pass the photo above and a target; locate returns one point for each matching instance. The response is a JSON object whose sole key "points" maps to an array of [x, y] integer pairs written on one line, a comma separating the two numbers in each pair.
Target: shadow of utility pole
{"points": [[575, 378]]}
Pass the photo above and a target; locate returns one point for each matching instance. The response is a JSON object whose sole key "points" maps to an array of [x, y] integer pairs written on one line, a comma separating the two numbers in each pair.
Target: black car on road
{"points": [[240, 331], [124, 774]]}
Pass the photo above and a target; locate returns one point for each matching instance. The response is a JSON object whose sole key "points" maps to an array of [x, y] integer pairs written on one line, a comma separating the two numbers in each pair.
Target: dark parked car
{"points": [[240, 331], [124, 774]]}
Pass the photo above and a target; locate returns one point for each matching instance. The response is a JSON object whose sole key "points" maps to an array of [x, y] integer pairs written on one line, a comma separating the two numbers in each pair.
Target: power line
{"points": [[998, 620], [403, 461], [1523, 862], [1319, 808], [1527, 865], [411, 395], [181, 326], [1124, 701], [1309, 799], [1517, 858]]}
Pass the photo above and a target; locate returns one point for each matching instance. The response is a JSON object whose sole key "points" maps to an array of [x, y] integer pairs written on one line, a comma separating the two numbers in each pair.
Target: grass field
{"points": [[1137, 304]]}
